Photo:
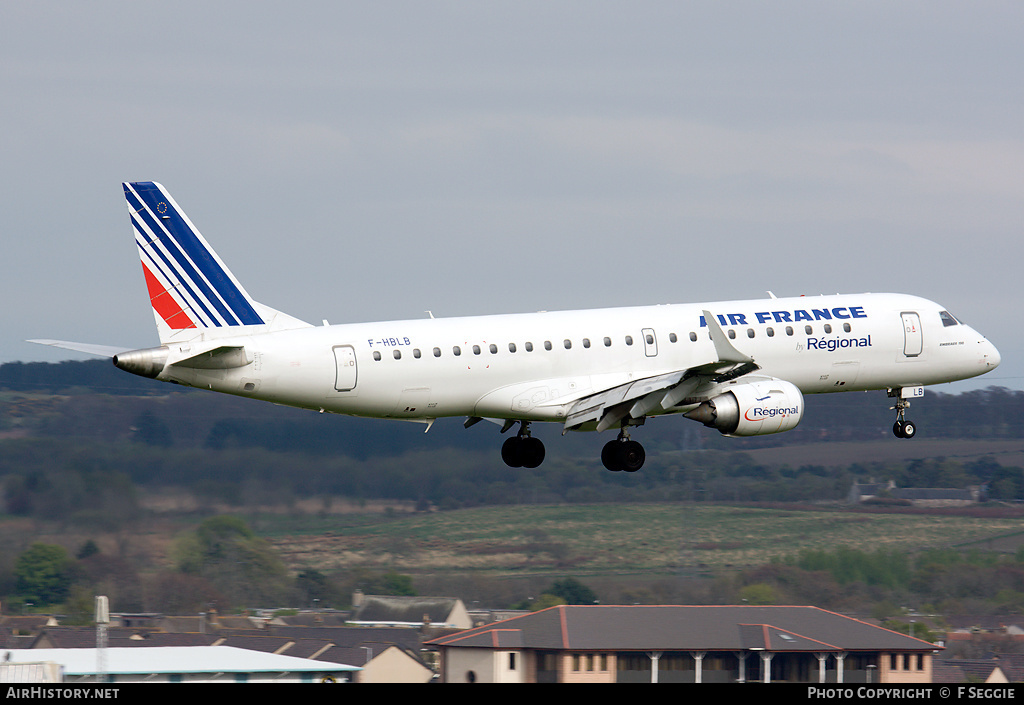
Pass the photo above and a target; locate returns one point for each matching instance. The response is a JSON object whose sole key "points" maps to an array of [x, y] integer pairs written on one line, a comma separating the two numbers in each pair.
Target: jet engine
{"points": [[753, 408], [149, 362]]}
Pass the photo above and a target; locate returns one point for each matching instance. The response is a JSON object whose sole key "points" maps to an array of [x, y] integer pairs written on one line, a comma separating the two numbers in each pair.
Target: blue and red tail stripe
{"points": [[188, 284]]}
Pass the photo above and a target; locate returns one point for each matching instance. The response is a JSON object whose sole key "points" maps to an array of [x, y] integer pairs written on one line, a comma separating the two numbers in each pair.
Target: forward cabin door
{"points": [[913, 340]]}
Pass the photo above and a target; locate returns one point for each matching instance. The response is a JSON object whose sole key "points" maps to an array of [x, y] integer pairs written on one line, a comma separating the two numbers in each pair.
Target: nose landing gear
{"points": [[902, 428]]}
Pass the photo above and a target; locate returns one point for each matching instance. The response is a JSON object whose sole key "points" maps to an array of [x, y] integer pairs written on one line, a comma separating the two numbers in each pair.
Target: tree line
{"points": [[80, 454]]}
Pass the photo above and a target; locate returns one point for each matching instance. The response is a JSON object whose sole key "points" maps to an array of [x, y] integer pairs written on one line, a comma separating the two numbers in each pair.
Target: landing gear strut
{"points": [[523, 450], [623, 454], [902, 428]]}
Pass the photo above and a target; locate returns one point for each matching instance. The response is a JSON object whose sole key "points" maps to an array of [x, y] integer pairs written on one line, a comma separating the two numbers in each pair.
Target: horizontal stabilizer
{"points": [[101, 350]]}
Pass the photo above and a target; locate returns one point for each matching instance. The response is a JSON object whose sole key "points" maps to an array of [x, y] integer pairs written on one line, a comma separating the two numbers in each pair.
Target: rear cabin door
{"points": [[345, 368]]}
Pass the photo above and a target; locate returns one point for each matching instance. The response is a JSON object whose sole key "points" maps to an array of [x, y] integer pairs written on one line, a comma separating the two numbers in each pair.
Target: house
{"points": [[392, 611], [888, 493], [682, 644], [385, 655]]}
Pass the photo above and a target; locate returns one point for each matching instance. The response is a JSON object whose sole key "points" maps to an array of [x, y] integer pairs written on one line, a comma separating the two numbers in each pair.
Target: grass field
{"points": [[595, 539]]}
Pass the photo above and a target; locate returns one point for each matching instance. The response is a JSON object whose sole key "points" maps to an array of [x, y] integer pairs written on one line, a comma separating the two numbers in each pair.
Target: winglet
{"points": [[723, 348]]}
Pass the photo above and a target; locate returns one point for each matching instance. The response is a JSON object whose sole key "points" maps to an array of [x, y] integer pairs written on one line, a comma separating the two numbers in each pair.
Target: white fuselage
{"points": [[536, 366]]}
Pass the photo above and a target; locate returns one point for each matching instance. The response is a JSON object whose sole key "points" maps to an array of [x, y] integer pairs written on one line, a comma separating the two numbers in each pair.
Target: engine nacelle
{"points": [[149, 362], [753, 408]]}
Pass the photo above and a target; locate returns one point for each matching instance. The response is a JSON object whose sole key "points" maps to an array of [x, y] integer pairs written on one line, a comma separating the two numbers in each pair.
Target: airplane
{"points": [[741, 367]]}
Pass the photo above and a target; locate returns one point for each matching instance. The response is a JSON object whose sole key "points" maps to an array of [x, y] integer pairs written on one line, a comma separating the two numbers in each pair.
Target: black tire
{"points": [[512, 452], [610, 456], [531, 452], [632, 456]]}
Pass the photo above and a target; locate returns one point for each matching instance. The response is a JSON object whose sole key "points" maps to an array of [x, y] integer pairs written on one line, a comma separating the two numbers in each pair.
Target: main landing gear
{"points": [[523, 450], [902, 428], [623, 454]]}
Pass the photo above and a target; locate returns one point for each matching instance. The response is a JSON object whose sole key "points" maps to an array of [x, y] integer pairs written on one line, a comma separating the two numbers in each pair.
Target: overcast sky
{"points": [[373, 160]]}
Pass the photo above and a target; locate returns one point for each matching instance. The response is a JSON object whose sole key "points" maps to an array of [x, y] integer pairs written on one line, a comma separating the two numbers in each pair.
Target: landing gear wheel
{"points": [[902, 428], [623, 455], [610, 455], [512, 452], [522, 451], [909, 429], [532, 451], [632, 456]]}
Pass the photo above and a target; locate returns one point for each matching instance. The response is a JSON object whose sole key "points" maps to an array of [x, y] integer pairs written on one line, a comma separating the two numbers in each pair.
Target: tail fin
{"points": [[192, 291]]}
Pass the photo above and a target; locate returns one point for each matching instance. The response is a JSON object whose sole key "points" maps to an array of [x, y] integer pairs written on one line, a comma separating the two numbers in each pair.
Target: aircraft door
{"points": [[650, 342], [345, 368], [913, 340]]}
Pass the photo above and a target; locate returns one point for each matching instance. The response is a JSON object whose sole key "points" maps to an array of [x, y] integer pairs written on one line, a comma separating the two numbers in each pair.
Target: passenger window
{"points": [[846, 327], [476, 349], [607, 342], [586, 342], [629, 340], [828, 327], [547, 344], [493, 348], [397, 354], [567, 343], [808, 330], [376, 356], [693, 337], [732, 334], [456, 351], [529, 347], [437, 352], [649, 338], [416, 353], [672, 338], [770, 332], [512, 347], [789, 330]]}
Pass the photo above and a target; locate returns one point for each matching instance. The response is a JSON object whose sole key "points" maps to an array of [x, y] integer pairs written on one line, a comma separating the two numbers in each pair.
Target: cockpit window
{"points": [[947, 319]]}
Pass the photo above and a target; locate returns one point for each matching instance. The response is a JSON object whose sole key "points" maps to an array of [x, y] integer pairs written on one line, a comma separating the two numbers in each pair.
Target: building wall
{"points": [[394, 666], [586, 667], [905, 668], [510, 667], [468, 666]]}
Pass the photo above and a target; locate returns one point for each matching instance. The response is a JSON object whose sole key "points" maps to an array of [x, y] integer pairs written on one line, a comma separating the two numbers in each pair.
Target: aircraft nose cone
{"points": [[992, 358]]}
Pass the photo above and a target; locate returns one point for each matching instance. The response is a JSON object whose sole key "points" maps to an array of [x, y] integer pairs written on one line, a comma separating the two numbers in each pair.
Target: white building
{"points": [[182, 664]]}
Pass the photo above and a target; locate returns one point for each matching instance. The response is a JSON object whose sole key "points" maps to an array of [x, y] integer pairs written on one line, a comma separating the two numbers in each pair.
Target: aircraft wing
{"points": [[638, 398]]}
